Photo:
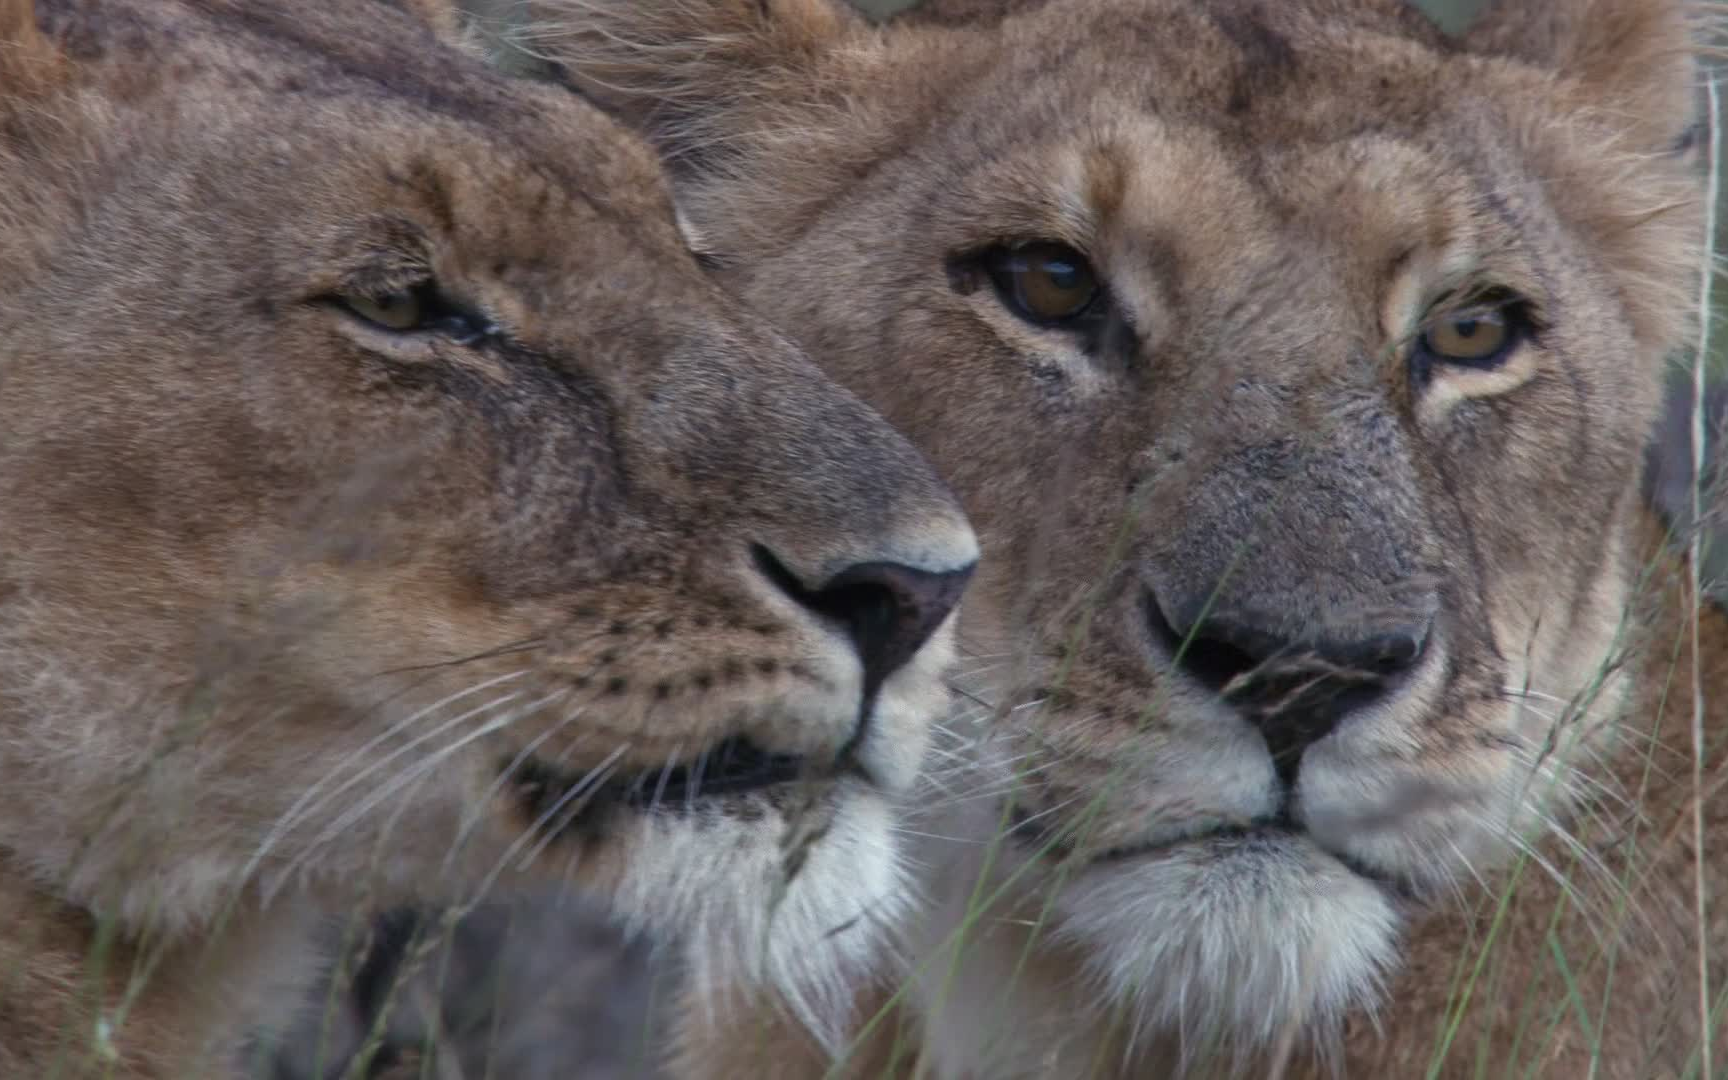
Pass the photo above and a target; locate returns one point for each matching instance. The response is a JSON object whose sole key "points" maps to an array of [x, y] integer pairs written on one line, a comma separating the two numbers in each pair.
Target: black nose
{"points": [[1294, 683], [888, 609]]}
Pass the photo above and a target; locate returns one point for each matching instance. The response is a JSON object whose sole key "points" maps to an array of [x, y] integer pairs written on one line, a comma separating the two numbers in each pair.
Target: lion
{"points": [[1330, 699], [392, 507]]}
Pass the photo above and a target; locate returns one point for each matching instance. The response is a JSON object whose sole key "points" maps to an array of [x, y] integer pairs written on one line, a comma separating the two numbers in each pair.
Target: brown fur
{"points": [[287, 599], [28, 63], [1278, 197]]}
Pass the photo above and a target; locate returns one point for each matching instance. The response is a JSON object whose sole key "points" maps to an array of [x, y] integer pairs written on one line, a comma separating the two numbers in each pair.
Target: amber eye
{"points": [[1044, 283], [1478, 336], [398, 311], [418, 308]]}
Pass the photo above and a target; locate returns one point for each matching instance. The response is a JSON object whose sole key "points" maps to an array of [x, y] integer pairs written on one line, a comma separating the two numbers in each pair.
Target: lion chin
{"points": [[1237, 938]]}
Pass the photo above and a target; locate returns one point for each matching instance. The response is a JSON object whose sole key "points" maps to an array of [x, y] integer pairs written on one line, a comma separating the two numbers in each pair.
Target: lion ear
{"points": [[1634, 61], [694, 74], [28, 60]]}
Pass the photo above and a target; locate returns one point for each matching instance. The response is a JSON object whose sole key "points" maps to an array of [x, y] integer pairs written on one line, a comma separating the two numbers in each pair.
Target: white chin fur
{"points": [[1233, 942], [722, 887]]}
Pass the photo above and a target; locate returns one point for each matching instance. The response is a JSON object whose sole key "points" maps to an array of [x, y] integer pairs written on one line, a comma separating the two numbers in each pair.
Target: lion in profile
{"points": [[391, 507], [1330, 699]]}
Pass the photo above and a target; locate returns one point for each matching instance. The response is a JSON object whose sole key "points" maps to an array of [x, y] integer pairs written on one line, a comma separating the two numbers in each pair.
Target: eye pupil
{"points": [[1478, 336], [1046, 284]]}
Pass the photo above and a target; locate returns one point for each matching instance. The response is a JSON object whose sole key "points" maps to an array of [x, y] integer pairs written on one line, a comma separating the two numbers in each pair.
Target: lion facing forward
{"points": [[1294, 361]]}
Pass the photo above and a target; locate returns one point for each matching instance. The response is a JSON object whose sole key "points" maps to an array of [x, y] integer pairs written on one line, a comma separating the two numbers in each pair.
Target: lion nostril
{"points": [[1213, 651], [1385, 654], [1294, 687], [888, 609], [1223, 647]]}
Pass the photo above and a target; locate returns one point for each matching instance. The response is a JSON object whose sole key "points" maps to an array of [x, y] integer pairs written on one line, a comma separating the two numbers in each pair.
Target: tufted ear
{"points": [[28, 60], [695, 75], [1633, 60]]}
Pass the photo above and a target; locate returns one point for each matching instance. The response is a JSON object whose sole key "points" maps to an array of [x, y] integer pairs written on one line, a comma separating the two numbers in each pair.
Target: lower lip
{"points": [[1268, 831]]}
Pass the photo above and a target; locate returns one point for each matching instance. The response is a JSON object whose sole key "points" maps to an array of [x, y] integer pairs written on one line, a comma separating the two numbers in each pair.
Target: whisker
{"points": [[1469, 867], [695, 781], [596, 776], [471, 820], [665, 775], [1530, 852], [970, 696], [905, 831], [296, 811], [407, 776], [524, 645]]}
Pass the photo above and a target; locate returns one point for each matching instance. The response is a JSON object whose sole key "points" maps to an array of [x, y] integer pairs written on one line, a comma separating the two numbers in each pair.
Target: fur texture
{"points": [[1135, 869], [302, 607]]}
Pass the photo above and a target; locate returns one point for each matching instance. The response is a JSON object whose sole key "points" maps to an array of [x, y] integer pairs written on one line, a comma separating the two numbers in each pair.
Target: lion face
{"points": [[387, 496], [1293, 363]]}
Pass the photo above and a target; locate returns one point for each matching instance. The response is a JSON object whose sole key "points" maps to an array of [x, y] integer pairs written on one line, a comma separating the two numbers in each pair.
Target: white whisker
{"points": [[472, 819], [589, 782], [407, 776], [295, 811]]}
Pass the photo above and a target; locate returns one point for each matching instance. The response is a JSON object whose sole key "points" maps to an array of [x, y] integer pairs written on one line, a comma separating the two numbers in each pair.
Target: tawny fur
{"points": [[1279, 198], [302, 613]]}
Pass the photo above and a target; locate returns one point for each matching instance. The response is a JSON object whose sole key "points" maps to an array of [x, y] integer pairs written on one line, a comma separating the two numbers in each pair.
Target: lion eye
{"points": [[400, 311], [417, 309], [1479, 336], [1044, 283]]}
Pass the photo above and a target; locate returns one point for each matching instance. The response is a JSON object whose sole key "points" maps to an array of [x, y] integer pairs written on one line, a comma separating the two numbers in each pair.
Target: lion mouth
{"points": [[734, 766], [1263, 834]]}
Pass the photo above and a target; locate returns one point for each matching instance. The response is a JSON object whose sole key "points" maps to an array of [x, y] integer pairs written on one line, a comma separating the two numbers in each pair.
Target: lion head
{"points": [[389, 501], [1294, 362]]}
